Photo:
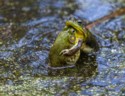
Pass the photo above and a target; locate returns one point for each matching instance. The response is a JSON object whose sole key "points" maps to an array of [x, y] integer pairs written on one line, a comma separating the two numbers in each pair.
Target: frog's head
{"points": [[79, 31]]}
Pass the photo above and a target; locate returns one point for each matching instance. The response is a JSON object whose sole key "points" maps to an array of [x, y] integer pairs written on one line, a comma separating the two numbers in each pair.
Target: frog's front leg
{"points": [[73, 49]]}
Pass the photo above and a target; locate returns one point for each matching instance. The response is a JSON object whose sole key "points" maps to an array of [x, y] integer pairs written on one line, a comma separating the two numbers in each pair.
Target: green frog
{"points": [[69, 43]]}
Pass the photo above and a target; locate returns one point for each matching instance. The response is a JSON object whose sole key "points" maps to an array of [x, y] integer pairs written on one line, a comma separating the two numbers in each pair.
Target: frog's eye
{"points": [[79, 22], [71, 31], [72, 38]]}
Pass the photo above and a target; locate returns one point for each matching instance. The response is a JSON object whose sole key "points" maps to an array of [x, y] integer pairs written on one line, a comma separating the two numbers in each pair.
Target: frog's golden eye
{"points": [[72, 39]]}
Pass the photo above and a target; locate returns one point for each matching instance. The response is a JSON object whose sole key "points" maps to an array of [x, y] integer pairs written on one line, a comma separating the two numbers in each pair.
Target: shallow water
{"points": [[29, 28]]}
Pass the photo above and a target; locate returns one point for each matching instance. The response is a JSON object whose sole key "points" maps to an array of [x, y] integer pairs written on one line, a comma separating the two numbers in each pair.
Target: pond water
{"points": [[29, 28]]}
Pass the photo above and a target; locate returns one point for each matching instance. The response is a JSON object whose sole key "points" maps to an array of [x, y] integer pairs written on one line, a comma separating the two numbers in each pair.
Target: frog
{"points": [[70, 42]]}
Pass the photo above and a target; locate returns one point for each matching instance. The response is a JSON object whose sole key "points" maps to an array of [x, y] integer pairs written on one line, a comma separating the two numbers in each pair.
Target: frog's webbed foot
{"points": [[73, 49]]}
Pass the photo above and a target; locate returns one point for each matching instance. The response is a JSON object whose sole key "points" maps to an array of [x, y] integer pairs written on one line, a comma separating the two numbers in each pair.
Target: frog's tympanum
{"points": [[69, 43]]}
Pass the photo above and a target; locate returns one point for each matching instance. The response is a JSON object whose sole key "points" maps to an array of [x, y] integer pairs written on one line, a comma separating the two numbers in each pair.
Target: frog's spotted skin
{"points": [[68, 44]]}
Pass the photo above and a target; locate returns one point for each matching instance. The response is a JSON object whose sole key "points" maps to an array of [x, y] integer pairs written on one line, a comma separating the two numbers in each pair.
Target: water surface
{"points": [[29, 28]]}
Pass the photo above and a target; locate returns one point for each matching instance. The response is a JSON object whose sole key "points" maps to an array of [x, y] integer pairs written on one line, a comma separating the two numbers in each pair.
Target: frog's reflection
{"points": [[86, 67]]}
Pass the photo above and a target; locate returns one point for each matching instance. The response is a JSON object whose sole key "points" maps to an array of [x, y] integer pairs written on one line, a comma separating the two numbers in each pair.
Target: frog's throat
{"points": [[81, 33]]}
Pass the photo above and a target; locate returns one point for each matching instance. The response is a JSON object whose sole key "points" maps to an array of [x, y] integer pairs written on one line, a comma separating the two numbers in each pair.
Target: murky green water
{"points": [[27, 31]]}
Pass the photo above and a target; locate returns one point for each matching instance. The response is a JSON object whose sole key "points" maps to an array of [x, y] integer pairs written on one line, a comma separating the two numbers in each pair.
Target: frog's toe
{"points": [[64, 52]]}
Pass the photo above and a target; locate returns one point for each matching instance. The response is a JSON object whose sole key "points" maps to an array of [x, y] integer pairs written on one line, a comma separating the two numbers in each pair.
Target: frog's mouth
{"points": [[80, 32]]}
